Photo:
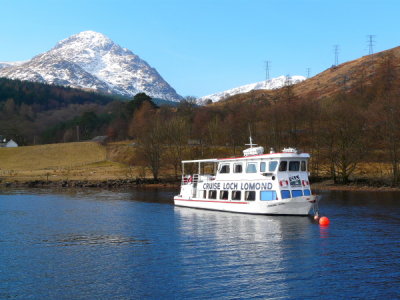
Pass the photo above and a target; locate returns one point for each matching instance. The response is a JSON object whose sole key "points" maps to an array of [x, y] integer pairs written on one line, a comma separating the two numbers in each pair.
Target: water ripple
{"points": [[77, 240]]}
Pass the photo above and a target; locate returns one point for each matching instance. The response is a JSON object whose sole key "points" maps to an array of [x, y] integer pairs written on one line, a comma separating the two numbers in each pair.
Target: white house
{"points": [[11, 144], [7, 144]]}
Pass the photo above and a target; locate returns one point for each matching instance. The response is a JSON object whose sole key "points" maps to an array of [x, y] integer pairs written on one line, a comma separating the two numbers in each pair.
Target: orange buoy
{"points": [[324, 221]]}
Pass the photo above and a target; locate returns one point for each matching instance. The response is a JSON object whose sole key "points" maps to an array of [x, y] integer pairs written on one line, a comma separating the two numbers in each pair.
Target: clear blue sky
{"points": [[205, 46]]}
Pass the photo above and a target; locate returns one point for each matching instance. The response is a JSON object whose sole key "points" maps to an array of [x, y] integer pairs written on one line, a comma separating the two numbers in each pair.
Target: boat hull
{"points": [[294, 206]]}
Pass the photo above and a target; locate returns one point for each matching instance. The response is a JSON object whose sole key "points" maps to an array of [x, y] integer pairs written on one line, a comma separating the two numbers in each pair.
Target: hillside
{"points": [[346, 77], [46, 96], [35, 113]]}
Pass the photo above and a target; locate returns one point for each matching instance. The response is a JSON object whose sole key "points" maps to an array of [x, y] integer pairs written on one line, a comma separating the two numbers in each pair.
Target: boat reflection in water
{"points": [[240, 246]]}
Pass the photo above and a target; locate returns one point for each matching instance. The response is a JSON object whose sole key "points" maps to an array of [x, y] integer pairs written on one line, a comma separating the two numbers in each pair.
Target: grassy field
{"points": [[51, 156], [69, 161]]}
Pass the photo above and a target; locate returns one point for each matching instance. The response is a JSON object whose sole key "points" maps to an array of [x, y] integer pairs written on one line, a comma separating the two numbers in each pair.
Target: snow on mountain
{"points": [[6, 64], [90, 60], [271, 84]]}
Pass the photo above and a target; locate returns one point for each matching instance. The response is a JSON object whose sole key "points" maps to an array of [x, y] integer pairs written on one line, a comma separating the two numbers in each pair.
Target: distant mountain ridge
{"points": [[274, 83], [90, 60]]}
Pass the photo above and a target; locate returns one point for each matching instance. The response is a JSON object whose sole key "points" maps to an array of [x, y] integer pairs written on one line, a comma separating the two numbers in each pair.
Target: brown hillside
{"points": [[342, 78]]}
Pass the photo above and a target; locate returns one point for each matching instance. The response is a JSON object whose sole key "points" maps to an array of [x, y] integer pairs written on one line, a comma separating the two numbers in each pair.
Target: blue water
{"points": [[137, 245]]}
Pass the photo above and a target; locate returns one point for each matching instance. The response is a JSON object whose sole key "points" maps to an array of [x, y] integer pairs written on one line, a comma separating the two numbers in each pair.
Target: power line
{"points": [[288, 80], [336, 51], [371, 43], [267, 66]]}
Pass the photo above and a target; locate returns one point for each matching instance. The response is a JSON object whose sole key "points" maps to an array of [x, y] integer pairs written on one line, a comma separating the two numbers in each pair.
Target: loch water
{"points": [[134, 244]]}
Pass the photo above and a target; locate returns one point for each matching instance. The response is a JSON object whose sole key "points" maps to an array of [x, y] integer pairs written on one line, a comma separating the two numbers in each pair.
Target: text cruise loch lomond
{"points": [[274, 183]]}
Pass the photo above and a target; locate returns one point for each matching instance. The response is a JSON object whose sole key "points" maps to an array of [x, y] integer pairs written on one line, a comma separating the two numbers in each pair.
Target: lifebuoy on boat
{"points": [[283, 183], [189, 179]]}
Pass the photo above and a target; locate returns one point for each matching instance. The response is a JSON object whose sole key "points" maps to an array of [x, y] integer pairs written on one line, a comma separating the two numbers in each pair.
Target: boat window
{"points": [[223, 195], [272, 166], [267, 195], [262, 166], [237, 168], [285, 194], [236, 195], [283, 166], [297, 193], [251, 168], [303, 166], [204, 194], [224, 169], [212, 194], [294, 166], [307, 192], [250, 195]]}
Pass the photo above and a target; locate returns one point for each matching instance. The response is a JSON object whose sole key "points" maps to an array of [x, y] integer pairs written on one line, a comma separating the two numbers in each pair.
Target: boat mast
{"points": [[251, 140]]}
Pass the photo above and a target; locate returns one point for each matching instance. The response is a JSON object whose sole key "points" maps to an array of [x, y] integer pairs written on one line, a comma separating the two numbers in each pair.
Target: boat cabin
{"points": [[253, 177]]}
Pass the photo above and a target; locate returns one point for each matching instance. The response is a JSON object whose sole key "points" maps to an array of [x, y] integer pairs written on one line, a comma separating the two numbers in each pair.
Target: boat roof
{"points": [[210, 160], [251, 157]]}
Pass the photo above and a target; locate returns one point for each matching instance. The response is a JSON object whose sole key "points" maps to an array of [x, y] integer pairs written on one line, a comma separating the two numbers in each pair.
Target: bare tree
{"points": [[177, 135], [344, 137], [151, 145]]}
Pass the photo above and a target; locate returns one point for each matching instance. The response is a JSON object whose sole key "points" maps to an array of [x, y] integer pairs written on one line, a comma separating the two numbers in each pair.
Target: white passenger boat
{"points": [[257, 183]]}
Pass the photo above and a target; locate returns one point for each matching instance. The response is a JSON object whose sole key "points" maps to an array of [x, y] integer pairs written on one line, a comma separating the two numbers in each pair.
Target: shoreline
{"points": [[354, 187], [327, 185], [111, 183]]}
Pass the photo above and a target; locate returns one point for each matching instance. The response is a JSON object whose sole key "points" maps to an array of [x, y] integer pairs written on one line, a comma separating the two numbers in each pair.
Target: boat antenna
{"points": [[251, 140]]}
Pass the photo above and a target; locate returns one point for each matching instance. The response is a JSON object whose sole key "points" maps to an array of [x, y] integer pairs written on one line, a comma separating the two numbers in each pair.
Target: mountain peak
{"points": [[89, 39], [91, 60], [90, 34]]}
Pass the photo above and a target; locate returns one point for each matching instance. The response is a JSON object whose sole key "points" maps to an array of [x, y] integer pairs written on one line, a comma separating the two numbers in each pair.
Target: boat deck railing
{"points": [[195, 178]]}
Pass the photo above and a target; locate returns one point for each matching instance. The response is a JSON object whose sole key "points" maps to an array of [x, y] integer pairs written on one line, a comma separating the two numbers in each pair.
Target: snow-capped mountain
{"points": [[90, 60], [271, 84]]}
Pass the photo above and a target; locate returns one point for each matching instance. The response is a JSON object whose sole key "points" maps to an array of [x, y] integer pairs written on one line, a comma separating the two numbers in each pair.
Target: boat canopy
{"points": [[211, 160]]}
